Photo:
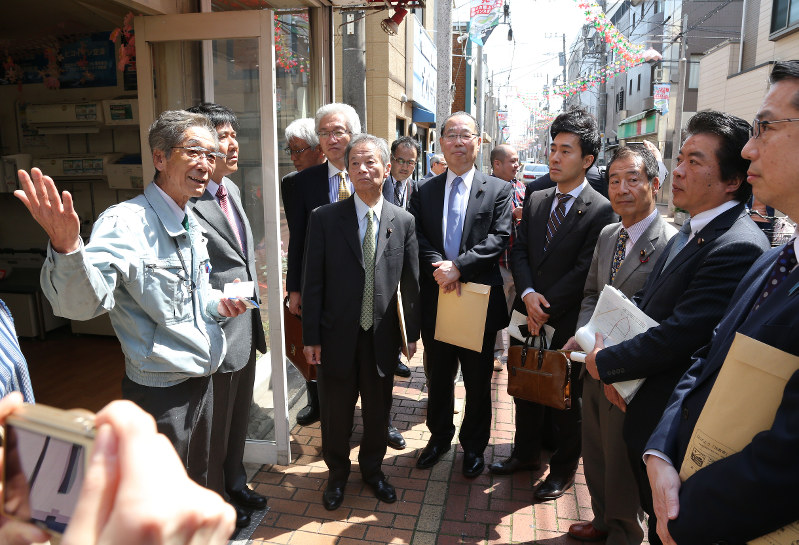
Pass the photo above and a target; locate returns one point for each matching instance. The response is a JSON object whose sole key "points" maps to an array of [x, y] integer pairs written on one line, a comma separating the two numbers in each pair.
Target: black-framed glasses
{"points": [[337, 134], [197, 153], [466, 137], [291, 152], [758, 124], [403, 162]]}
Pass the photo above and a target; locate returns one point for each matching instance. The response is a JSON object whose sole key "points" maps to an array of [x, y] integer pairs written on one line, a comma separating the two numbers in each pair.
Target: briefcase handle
{"points": [[529, 342]]}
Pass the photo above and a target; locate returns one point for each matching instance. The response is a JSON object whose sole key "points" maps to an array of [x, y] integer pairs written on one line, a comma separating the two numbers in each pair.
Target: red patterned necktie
{"points": [[221, 194]]}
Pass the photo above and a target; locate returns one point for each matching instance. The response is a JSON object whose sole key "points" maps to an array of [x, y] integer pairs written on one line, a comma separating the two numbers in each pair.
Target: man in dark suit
{"points": [[358, 252], [692, 281], [594, 177], [624, 256], [314, 187], [463, 222], [397, 190], [302, 146], [231, 250], [550, 260], [752, 492]]}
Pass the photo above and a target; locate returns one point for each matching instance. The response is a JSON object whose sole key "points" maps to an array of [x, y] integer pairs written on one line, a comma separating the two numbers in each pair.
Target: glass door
{"points": [[228, 58]]}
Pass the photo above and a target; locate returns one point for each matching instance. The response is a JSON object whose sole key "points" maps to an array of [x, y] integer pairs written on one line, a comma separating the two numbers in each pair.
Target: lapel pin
{"points": [[644, 257], [389, 231], [700, 241]]}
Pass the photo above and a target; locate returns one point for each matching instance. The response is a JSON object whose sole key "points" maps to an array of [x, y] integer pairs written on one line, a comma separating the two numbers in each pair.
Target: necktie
{"points": [[618, 255], [452, 240], [343, 187], [367, 303], [786, 261], [221, 194], [556, 218], [679, 241], [185, 222], [399, 194]]}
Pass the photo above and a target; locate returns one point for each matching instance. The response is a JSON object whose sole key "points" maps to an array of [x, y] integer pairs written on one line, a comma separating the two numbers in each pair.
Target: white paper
{"points": [[242, 291], [618, 319], [517, 319]]}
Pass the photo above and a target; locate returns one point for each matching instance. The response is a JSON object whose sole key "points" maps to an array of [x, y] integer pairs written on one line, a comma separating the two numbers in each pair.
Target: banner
{"points": [[660, 93], [484, 16]]}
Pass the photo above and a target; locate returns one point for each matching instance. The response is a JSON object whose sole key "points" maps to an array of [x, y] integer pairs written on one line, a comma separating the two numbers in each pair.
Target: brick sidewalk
{"points": [[437, 506]]}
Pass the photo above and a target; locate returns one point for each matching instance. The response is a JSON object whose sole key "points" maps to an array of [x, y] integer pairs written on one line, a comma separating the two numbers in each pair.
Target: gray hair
{"points": [[349, 113], [303, 129], [379, 143], [436, 159], [460, 114], [169, 129]]}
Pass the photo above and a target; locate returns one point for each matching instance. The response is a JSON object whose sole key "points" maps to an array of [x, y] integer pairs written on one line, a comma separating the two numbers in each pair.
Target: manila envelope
{"points": [[751, 382], [461, 320]]}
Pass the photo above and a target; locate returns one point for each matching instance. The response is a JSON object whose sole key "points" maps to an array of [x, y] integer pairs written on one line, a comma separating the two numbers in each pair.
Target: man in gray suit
{"points": [[358, 251], [623, 258], [232, 254]]}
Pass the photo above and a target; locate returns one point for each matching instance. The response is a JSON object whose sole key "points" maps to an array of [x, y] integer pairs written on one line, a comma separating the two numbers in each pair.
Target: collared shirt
{"points": [[14, 375], [333, 180], [162, 307], [701, 220], [635, 230], [171, 204], [212, 188], [361, 209], [404, 193], [467, 178]]}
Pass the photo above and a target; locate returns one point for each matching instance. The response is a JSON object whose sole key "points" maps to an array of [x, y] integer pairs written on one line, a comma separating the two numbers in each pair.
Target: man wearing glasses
{"points": [[147, 266], [463, 222], [752, 492], [316, 186], [302, 146]]}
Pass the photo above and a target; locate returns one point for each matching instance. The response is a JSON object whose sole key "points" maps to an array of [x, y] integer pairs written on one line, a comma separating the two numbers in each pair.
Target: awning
{"points": [[423, 115], [638, 124]]}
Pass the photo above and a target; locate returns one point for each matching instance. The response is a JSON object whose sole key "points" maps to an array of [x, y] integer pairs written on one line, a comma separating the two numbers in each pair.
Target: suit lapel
{"points": [[207, 207], [384, 231], [435, 211], [473, 206], [236, 200], [640, 253], [349, 228]]}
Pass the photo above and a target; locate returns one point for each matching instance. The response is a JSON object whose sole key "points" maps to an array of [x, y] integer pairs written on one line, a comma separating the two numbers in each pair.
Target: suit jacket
{"points": [[228, 262], [486, 230], [752, 492], [594, 177], [333, 285], [635, 268], [388, 191], [688, 299], [560, 272], [311, 190], [287, 193]]}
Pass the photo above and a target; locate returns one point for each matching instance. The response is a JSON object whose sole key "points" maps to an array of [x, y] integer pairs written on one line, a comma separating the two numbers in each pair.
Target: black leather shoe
{"points": [[395, 438], [431, 454], [310, 413], [243, 517], [473, 464], [383, 491], [554, 486], [332, 497], [402, 370], [512, 465], [247, 498]]}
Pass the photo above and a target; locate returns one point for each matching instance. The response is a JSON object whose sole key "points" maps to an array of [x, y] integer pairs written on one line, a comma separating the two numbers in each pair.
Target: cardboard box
{"points": [[121, 111], [125, 176]]}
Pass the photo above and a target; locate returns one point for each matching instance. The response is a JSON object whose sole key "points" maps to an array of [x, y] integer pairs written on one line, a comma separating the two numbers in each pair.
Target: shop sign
{"points": [[661, 93], [425, 74]]}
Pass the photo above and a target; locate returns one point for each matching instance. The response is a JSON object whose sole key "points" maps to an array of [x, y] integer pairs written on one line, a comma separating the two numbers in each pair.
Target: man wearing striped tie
{"points": [[550, 259], [313, 187]]}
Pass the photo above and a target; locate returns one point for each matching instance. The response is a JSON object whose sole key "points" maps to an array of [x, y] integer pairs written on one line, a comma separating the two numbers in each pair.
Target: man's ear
{"points": [[159, 160], [588, 160]]}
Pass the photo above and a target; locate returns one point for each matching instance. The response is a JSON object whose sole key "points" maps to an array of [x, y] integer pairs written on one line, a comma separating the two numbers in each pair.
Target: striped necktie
{"points": [[556, 218], [221, 194]]}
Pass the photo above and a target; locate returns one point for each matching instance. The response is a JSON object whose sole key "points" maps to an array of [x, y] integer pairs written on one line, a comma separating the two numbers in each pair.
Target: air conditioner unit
{"points": [[66, 118]]}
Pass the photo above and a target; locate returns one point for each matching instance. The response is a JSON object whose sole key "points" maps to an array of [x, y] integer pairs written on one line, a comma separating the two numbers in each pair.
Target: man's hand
{"points": [[230, 308], [446, 274], [411, 350], [613, 395], [536, 317], [517, 213], [572, 344], [56, 216], [665, 482], [295, 303], [590, 358], [313, 354]]}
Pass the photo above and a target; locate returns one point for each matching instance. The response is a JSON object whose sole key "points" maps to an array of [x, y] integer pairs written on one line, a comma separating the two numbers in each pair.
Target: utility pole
{"points": [[444, 63], [603, 93], [480, 104], [564, 69], [677, 137], [353, 60]]}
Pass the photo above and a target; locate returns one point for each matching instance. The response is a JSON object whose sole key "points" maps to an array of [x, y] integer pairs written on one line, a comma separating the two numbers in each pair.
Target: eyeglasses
{"points": [[291, 152], [197, 153], [757, 125], [403, 162], [337, 134], [466, 137]]}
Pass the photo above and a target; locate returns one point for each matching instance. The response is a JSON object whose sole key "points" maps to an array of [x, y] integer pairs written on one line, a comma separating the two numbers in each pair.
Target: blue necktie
{"points": [[785, 263], [452, 242], [679, 241]]}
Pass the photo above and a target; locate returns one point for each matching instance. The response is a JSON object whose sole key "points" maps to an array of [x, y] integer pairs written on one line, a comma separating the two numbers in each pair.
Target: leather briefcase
{"points": [[539, 375], [294, 346]]}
